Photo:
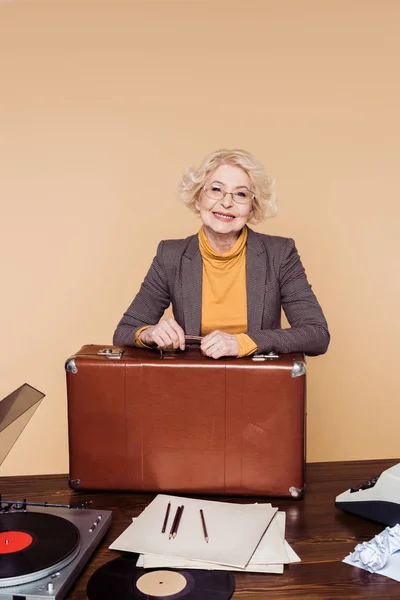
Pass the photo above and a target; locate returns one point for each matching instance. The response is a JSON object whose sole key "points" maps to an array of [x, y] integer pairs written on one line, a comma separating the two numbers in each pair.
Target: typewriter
{"points": [[377, 499]]}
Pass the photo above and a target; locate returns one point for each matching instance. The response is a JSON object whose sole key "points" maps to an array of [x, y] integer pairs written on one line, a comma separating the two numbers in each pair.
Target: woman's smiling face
{"points": [[225, 216]]}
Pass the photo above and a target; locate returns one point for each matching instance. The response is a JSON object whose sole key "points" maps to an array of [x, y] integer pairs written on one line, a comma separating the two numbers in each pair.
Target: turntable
{"points": [[43, 547]]}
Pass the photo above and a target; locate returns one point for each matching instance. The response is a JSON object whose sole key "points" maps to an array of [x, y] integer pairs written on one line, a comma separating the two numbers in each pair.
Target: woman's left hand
{"points": [[217, 344]]}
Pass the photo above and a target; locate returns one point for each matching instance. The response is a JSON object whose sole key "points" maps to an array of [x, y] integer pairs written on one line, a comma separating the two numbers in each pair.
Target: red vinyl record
{"points": [[122, 579]]}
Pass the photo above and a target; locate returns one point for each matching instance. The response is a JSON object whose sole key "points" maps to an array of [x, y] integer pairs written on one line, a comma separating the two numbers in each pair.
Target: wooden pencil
{"points": [[174, 522], [203, 522], [164, 527], [178, 521]]}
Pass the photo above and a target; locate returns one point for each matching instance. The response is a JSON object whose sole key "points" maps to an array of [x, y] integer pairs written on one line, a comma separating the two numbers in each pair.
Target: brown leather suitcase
{"points": [[180, 422]]}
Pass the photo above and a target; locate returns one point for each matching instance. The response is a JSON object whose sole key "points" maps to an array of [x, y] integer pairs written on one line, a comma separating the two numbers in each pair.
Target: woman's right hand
{"points": [[167, 334]]}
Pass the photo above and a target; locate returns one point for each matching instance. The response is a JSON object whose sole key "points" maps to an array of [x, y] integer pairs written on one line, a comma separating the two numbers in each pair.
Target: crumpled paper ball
{"points": [[374, 554]]}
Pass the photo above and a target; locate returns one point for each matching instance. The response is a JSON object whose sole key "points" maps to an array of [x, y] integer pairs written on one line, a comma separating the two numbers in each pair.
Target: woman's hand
{"points": [[167, 334], [217, 344]]}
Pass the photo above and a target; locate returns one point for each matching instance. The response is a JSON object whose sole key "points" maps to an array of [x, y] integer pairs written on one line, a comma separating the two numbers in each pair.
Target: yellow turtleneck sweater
{"points": [[224, 296]]}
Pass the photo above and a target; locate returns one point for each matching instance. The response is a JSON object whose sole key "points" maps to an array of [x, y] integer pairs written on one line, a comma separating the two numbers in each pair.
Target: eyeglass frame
{"points": [[231, 194]]}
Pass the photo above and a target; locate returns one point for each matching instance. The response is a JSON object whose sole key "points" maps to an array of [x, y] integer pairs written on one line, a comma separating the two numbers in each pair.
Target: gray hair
{"points": [[263, 187]]}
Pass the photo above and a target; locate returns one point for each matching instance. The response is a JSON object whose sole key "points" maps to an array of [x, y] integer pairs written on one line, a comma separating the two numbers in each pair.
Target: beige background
{"points": [[104, 104]]}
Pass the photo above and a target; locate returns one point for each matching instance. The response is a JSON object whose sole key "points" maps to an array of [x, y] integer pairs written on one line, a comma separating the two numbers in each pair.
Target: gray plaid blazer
{"points": [[275, 280]]}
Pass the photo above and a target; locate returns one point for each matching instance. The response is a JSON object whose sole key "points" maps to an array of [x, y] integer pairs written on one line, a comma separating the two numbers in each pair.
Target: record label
{"points": [[14, 541], [161, 583]]}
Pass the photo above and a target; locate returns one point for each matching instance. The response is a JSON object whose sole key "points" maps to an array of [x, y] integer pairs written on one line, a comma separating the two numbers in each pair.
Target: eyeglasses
{"points": [[216, 192]]}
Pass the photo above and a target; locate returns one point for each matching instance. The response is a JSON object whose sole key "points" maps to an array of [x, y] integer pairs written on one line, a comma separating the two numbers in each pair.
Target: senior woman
{"points": [[227, 283]]}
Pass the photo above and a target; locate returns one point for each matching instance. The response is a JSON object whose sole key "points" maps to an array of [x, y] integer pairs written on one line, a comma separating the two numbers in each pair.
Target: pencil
{"points": [[174, 522], [178, 521], [195, 340], [164, 527], [203, 522]]}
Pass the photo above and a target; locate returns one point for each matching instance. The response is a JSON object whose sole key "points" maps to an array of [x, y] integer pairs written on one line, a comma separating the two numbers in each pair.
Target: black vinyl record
{"points": [[120, 578], [51, 539]]}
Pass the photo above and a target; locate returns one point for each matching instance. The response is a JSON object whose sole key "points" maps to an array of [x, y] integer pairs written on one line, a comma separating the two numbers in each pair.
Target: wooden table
{"points": [[321, 534]]}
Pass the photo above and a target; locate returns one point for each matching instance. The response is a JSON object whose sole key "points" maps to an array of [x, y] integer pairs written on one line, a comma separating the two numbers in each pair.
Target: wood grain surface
{"points": [[321, 534]]}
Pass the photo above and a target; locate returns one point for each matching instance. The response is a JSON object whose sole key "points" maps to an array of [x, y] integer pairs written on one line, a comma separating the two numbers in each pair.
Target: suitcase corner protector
{"points": [[70, 365], [74, 484], [299, 368], [297, 493]]}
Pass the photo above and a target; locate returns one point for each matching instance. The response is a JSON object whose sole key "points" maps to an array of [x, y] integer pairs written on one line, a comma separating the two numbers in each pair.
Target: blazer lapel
{"points": [[192, 271], [256, 270]]}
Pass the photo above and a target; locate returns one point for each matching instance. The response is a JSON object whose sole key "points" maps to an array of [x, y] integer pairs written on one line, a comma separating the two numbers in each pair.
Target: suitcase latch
{"points": [[264, 356], [111, 352]]}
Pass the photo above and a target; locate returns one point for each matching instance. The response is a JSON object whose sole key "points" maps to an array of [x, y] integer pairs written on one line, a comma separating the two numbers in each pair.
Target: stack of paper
{"points": [[241, 537]]}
